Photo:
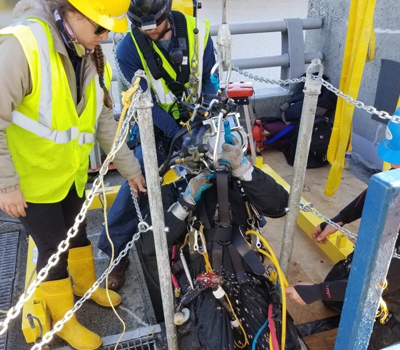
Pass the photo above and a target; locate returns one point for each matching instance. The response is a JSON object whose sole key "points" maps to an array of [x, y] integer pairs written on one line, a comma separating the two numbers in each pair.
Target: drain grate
{"points": [[146, 343], [145, 338], [8, 260]]}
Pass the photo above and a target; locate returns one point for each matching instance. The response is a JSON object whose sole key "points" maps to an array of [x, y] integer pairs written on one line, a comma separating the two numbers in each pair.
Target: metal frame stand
{"points": [[378, 232], [157, 213], [311, 90]]}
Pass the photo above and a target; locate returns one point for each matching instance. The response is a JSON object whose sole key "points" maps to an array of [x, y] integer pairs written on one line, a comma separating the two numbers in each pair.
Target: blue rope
{"points": [[253, 346]]}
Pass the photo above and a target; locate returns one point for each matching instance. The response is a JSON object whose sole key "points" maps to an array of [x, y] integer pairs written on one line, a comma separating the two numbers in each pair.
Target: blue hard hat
{"points": [[389, 148]]}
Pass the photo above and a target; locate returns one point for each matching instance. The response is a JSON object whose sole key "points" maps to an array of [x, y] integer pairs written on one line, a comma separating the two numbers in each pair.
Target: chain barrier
{"points": [[143, 227], [119, 71], [308, 207], [64, 245], [329, 86]]}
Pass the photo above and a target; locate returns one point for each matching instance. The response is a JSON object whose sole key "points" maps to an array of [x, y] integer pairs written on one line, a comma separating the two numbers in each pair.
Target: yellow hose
{"points": [[282, 279]]}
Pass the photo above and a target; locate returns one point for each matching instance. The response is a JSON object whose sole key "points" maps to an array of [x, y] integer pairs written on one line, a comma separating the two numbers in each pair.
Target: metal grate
{"points": [[146, 343], [145, 338], [8, 260]]}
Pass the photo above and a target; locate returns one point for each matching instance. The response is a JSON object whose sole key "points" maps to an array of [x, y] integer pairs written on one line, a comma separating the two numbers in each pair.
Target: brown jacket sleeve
{"points": [[15, 84]]}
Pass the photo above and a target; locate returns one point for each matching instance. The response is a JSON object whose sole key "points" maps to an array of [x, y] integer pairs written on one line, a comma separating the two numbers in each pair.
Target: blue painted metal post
{"points": [[376, 238]]}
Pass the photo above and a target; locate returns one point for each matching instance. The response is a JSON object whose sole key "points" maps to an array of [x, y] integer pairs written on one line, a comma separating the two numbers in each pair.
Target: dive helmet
{"points": [[389, 149], [204, 138], [148, 14], [109, 14]]}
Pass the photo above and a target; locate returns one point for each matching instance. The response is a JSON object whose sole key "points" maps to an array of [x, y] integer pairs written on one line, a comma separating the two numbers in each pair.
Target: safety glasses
{"points": [[98, 29]]}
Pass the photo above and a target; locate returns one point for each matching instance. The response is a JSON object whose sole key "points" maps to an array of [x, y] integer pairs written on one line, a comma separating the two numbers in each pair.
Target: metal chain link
{"points": [[267, 80], [63, 246], [135, 202], [120, 74], [329, 86], [144, 227], [358, 104], [308, 207]]}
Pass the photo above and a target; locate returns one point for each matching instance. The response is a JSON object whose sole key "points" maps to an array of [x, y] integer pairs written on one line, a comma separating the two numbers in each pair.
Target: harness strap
{"points": [[241, 276], [221, 234], [217, 256], [248, 255], [183, 43], [149, 54], [223, 200], [154, 61]]}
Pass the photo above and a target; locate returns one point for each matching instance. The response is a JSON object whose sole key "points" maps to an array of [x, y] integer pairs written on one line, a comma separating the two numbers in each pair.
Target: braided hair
{"points": [[99, 60]]}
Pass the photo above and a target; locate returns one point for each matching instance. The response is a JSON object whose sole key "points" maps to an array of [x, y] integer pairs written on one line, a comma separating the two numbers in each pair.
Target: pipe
{"points": [[312, 89], [251, 27], [156, 210], [272, 61], [263, 62], [265, 26]]}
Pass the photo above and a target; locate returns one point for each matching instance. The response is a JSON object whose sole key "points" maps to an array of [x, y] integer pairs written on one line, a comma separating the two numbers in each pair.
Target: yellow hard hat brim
{"points": [[112, 19], [118, 25]]}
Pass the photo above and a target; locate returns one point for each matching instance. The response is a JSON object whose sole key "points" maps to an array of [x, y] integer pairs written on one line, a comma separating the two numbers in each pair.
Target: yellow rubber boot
{"points": [[59, 299], [81, 268]]}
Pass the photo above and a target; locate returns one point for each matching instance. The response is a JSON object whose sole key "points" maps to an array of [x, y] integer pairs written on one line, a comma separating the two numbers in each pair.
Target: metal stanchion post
{"points": [[157, 212], [311, 90]]}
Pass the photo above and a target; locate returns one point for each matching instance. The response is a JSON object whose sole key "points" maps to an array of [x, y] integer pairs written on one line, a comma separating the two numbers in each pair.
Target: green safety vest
{"points": [[166, 99], [49, 142]]}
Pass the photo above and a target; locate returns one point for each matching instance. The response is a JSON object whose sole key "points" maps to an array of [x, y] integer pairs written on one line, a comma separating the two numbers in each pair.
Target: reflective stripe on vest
{"points": [[50, 144], [165, 98]]}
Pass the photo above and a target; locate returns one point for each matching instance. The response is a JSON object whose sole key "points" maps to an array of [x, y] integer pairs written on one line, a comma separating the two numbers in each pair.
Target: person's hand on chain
{"points": [[138, 184], [13, 203], [322, 231]]}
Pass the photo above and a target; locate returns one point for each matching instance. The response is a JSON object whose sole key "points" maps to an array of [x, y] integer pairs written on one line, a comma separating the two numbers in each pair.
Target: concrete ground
{"points": [[136, 310]]}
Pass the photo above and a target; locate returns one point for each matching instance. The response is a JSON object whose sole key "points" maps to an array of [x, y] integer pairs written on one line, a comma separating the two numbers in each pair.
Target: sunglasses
{"points": [[98, 29]]}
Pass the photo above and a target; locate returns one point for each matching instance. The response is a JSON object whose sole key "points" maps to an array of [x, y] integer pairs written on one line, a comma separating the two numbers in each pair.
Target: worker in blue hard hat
{"points": [[332, 291], [389, 148]]}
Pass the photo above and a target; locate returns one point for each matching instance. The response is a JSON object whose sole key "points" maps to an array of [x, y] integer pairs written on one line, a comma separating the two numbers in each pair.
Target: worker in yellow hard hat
{"points": [[55, 104]]}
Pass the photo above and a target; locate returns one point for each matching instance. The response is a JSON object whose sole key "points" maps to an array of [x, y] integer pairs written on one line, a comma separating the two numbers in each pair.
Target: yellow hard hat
{"points": [[108, 14]]}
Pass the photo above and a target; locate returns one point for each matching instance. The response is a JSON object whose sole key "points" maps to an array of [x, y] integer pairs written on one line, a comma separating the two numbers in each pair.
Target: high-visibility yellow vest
{"points": [[49, 142], [166, 99]]}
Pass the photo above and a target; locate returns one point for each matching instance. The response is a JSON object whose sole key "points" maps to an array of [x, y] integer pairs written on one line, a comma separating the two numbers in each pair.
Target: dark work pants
{"points": [[48, 225]]}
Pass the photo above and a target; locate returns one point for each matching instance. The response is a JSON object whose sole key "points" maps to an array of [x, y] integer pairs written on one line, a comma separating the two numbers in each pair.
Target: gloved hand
{"points": [[233, 157], [196, 187]]}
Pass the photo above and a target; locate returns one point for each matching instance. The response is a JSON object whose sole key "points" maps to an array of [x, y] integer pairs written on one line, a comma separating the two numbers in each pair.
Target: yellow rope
{"points": [[282, 280], [187, 124], [205, 254], [111, 261], [126, 101]]}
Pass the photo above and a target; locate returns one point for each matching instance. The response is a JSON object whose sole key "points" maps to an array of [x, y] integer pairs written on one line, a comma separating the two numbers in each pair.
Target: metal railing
{"points": [[293, 56]]}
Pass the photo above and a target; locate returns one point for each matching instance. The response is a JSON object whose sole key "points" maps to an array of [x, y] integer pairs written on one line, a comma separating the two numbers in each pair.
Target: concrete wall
{"points": [[367, 133]]}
